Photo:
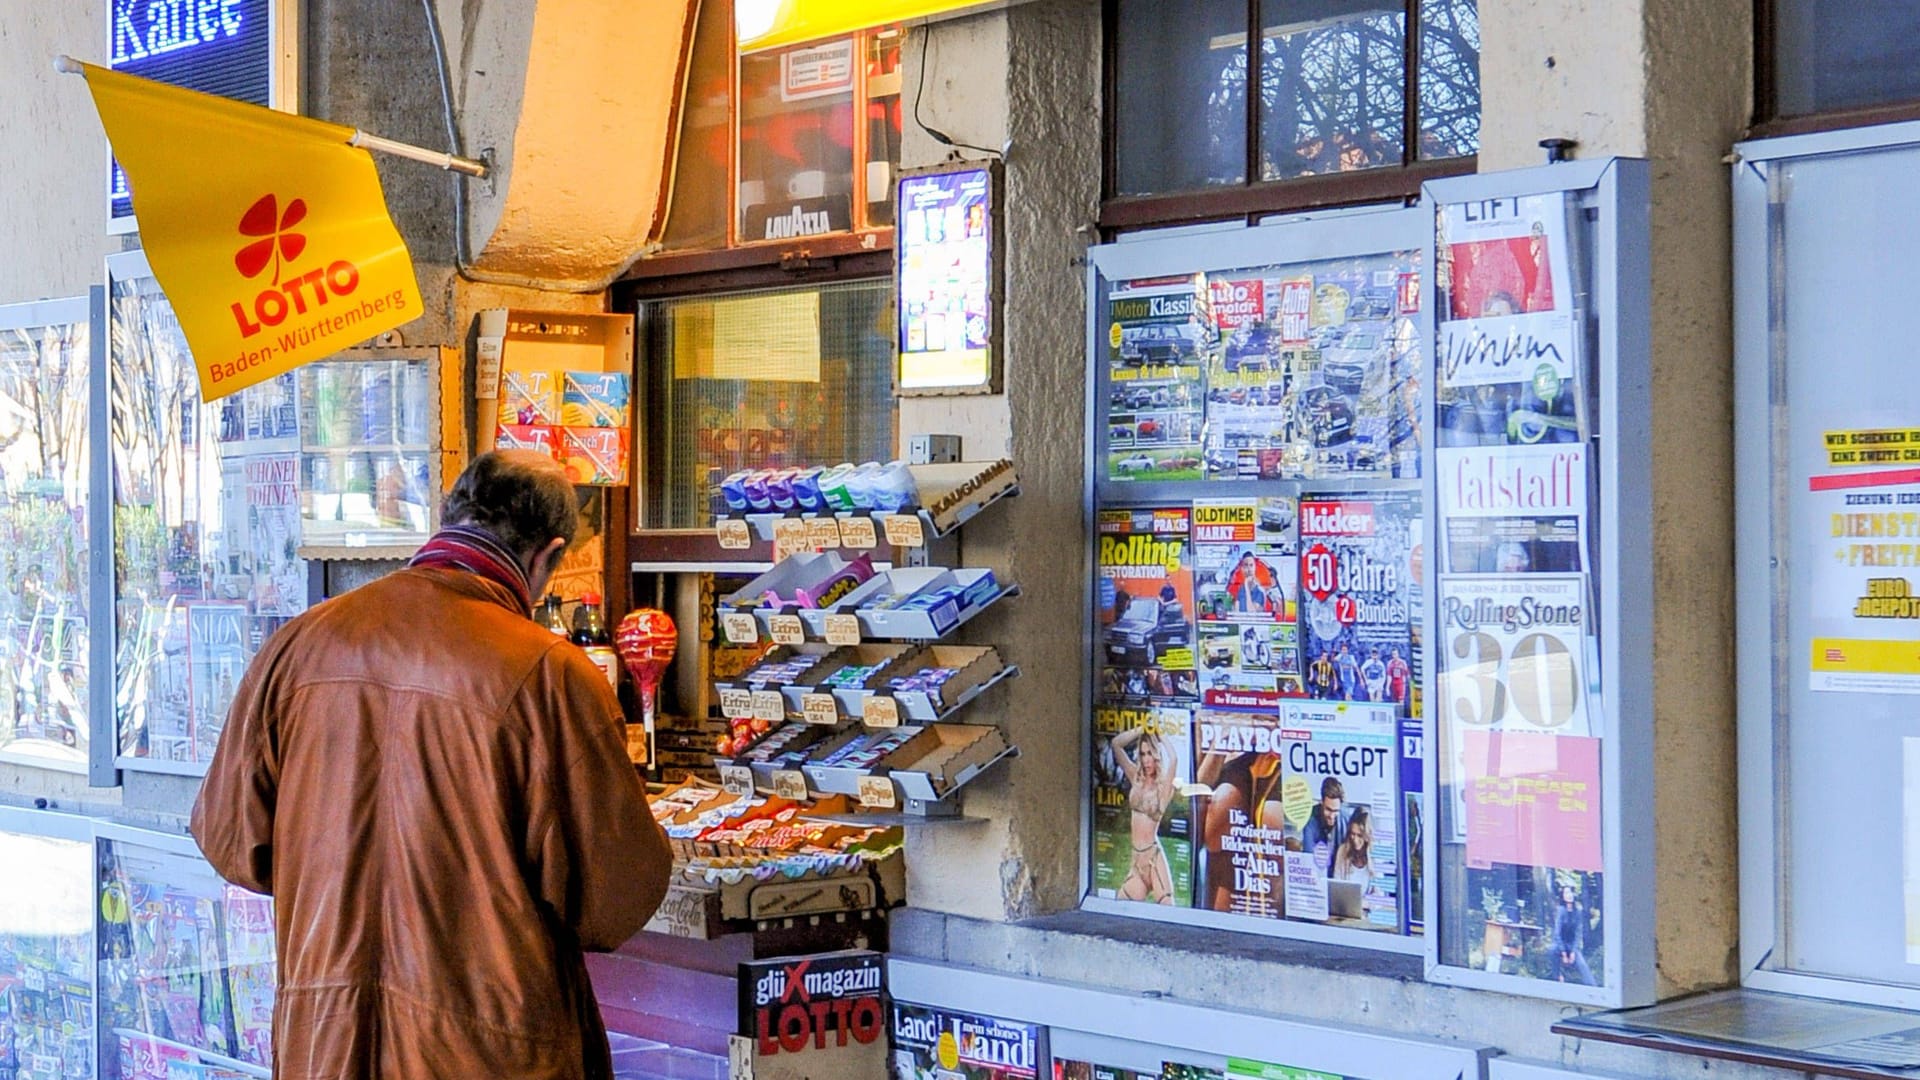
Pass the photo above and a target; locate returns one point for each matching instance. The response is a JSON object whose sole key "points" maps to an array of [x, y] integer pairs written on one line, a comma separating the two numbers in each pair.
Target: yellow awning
{"points": [[767, 24]]}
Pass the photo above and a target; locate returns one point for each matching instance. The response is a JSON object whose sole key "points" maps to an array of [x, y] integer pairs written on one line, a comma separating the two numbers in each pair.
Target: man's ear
{"points": [[549, 557]]}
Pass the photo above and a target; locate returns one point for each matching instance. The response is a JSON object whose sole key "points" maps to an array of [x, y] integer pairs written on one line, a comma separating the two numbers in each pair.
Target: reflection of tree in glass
{"points": [[1333, 89]]}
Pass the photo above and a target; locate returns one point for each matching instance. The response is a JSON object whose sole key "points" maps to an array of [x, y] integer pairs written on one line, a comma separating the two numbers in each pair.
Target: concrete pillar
{"points": [[1031, 73]]}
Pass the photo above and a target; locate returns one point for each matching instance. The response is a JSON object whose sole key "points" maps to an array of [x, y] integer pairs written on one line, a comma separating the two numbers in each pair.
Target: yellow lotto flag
{"points": [[268, 233]]}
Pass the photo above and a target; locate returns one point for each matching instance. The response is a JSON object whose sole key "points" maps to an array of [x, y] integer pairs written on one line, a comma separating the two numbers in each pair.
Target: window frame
{"points": [[1253, 197], [739, 263], [1769, 123]]}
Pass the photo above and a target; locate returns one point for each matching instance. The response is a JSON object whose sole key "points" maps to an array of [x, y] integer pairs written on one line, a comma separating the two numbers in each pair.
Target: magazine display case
{"points": [[1256, 475], [185, 963], [46, 947], [1358, 578], [217, 509]]}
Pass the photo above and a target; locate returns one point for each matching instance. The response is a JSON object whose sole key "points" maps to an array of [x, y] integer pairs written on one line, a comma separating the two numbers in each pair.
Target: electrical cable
{"points": [[920, 94]]}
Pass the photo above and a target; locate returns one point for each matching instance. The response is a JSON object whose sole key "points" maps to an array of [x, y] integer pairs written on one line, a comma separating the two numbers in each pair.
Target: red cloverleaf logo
{"points": [[264, 219]]}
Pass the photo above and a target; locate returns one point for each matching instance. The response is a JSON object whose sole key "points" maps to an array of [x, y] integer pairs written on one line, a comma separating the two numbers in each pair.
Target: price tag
{"points": [[843, 629], [734, 534], [736, 704], [881, 712], [789, 537], [823, 533], [790, 784], [737, 779], [857, 532], [787, 629], [739, 628], [768, 705], [820, 709], [877, 791], [904, 530]]}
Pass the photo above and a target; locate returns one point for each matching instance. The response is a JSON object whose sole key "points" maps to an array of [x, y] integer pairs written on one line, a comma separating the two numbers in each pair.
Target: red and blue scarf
{"points": [[463, 547]]}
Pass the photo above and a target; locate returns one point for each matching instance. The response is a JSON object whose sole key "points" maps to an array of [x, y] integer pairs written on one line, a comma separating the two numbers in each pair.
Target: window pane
{"points": [[1180, 80], [43, 543], [1449, 78], [796, 141], [762, 380], [883, 123], [206, 525], [697, 217], [1332, 86], [1831, 55]]}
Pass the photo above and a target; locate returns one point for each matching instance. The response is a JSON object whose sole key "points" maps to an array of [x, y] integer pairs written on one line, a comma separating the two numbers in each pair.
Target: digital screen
{"points": [[946, 282], [222, 47]]}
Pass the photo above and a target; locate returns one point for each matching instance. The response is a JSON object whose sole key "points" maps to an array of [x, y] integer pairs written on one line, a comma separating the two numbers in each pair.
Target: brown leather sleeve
{"points": [[233, 815], [603, 862]]}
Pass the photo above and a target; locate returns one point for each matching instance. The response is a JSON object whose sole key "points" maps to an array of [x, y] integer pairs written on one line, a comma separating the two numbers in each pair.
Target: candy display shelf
{"points": [[834, 708]]}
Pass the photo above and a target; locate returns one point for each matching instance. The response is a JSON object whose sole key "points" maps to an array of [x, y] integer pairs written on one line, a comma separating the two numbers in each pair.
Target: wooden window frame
{"points": [[1767, 121], [1255, 198]]}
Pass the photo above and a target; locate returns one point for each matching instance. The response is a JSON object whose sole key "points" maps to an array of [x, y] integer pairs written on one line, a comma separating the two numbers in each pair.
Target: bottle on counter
{"points": [[590, 633], [550, 616]]}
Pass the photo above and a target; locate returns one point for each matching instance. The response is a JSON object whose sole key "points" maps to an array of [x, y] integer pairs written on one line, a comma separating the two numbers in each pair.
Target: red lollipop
{"points": [[646, 640]]}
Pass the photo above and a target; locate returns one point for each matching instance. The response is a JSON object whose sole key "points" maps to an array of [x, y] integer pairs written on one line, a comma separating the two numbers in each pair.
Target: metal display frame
{"points": [[1612, 196], [89, 309], [1759, 420], [72, 828], [1298, 239], [1083, 1020]]}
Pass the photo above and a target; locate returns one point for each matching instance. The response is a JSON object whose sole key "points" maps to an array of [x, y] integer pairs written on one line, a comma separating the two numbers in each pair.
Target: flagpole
{"points": [[67, 65]]}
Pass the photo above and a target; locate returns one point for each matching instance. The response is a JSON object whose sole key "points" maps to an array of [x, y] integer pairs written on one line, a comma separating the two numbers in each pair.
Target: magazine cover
{"points": [[1507, 359], [216, 658], [1246, 586], [1064, 1069], [940, 1044], [1514, 509], [1356, 595], [1413, 823], [250, 973], [1142, 821], [1174, 1070], [1340, 795], [1325, 382], [272, 508], [1157, 332], [1244, 834], [1145, 603]]}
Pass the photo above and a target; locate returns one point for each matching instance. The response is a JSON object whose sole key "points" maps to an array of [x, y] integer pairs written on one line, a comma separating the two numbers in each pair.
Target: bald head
{"points": [[520, 497]]}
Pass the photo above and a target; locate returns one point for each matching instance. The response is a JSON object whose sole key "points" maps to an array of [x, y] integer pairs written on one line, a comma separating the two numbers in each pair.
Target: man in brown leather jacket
{"points": [[436, 792]]}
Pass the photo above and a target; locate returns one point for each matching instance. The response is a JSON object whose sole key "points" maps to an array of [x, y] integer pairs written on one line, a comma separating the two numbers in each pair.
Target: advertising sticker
{"points": [[1862, 600], [793, 1004]]}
